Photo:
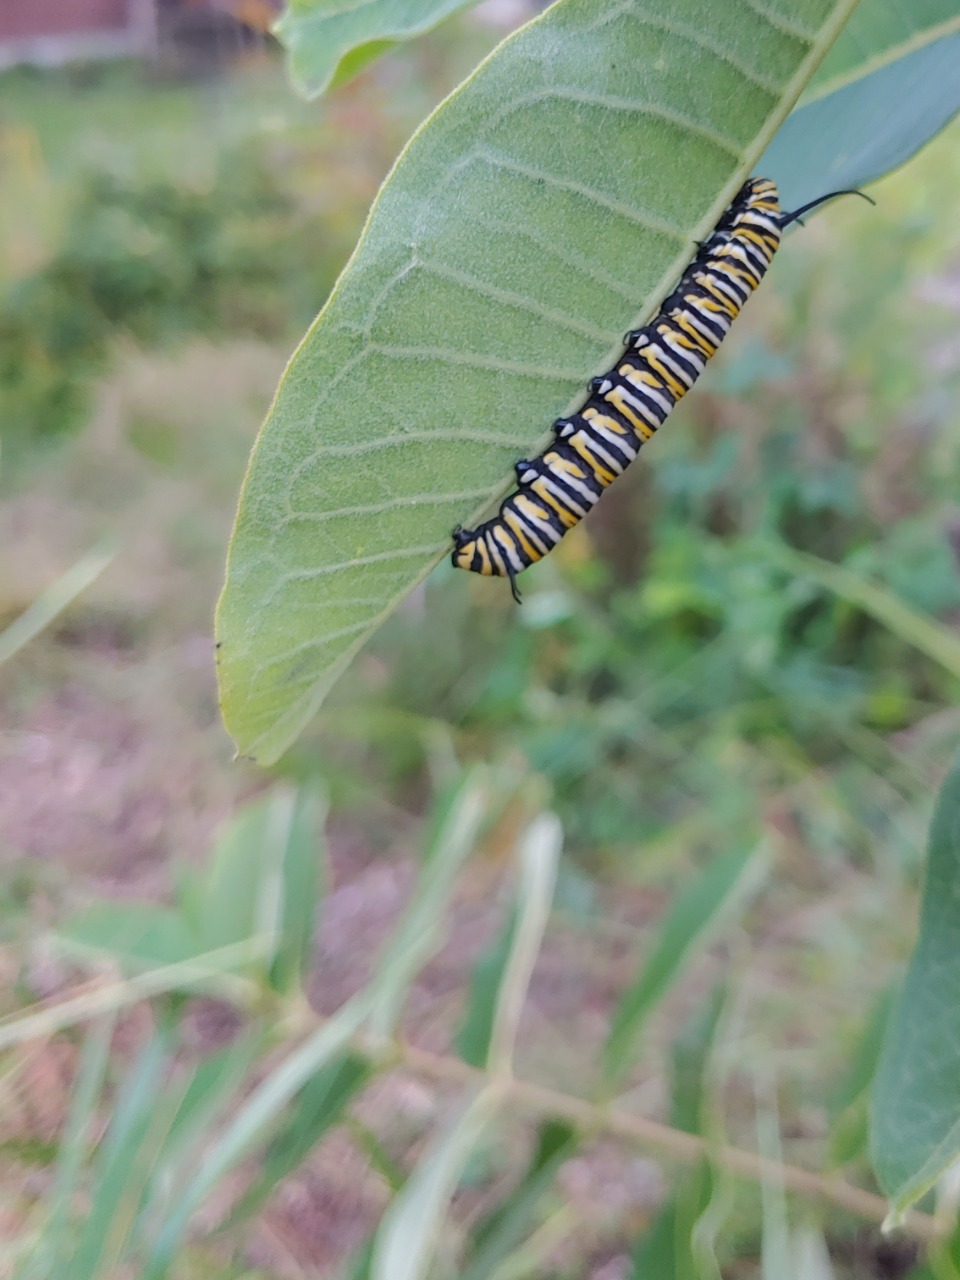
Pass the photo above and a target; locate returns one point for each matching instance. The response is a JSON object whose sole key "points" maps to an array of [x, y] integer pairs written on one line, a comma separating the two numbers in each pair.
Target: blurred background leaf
{"points": [[725, 885], [404, 1248], [327, 40], [842, 134], [915, 1124]]}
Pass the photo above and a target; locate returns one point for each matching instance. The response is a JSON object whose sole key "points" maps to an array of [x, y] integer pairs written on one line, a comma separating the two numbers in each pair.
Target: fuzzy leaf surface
{"points": [[544, 208]]}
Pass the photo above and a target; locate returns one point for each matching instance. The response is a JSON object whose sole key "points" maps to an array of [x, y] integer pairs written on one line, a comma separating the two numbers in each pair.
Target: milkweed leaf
{"points": [[915, 1110], [527, 224], [326, 39]]}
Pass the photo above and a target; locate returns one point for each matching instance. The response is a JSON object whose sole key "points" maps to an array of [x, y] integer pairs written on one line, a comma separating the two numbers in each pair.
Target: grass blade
{"points": [[49, 1256], [500, 1234], [116, 1182], [454, 834], [924, 633], [405, 1243], [455, 831], [37, 616], [539, 854], [693, 919]]}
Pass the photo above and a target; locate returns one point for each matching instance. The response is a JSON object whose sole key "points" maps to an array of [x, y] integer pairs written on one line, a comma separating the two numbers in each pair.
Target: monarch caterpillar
{"points": [[627, 404]]}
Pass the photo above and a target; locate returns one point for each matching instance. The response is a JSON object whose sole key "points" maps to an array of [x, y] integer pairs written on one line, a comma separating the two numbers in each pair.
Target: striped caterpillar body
{"points": [[626, 405]]}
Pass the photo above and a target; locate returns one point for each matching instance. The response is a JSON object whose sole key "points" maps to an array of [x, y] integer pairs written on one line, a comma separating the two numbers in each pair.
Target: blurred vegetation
{"points": [[679, 686], [153, 258], [151, 262]]}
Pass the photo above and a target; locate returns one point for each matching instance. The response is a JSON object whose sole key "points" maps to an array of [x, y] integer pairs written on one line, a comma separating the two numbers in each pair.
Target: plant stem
{"points": [[676, 1143]]}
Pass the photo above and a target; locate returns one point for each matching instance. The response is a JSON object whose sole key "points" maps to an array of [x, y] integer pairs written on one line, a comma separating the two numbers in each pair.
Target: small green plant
{"points": [[154, 260]]}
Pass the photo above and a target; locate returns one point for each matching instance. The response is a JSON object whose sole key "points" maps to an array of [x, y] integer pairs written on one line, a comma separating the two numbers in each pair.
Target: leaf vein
{"points": [[647, 220], [473, 360], [585, 266], [714, 47], [520, 301], [377, 557], [634, 106], [782, 23], [391, 504]]}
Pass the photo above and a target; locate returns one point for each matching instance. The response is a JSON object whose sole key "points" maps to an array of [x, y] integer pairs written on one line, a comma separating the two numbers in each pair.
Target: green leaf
{"points": [[845, 134], [849, 1105], [539, 854], [137, 935], [915, 1113], [215, 972], [671, 1250], [679, 1245], [502, 1231], [455, 830], [54, 600], [50, 1255], [264, 881], [689, 1061], [121, 1166], [878, 33], [321, 35], [215, 1078], [691, 922], [501, 977], [473, 1039], [254, 1119], [655, 1253], [298, 831], [926, 635], [775, 1253], [352, 63], [262, 885], [317, 1108], [405, 1243], [537, 214], [212, 1090]]}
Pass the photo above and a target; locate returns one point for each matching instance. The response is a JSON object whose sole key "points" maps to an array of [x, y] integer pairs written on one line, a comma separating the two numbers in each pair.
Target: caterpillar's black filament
{"points": [[626, 405]]}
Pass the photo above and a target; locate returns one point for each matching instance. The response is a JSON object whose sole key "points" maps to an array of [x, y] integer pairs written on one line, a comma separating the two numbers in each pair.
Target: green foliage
{"points": [[318, 1107], [849, 1105], [255, 905], [405, 1243], [330, 42], [680, 1243], [474, 1038], [153, 260], [915, 1130], [842, 134], [59, 596], [687, 925], [501, 1231], [344, 511]]}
